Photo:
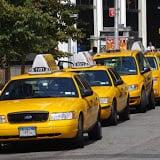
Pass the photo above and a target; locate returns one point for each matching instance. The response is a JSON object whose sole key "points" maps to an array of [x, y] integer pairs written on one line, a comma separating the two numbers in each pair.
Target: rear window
{"points": [[123, 65]]}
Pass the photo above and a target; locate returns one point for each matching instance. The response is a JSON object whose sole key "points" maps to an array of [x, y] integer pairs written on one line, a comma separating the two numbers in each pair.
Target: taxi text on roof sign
{"points": [[43, 63]]}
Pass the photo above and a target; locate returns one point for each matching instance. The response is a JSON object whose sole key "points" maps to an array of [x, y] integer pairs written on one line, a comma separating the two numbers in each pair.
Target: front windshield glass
{"points": [[152, 62], [123, 65], [39, 88], [96, 77]]}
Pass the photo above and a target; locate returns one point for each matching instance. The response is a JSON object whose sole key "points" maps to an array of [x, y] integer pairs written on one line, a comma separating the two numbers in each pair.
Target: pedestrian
{"points": [[150, 47]]}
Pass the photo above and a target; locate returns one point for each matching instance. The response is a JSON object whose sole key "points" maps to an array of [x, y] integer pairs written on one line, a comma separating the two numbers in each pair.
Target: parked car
{"points": [[113, 92], [48, 104], [154, 61], [136, 73]]}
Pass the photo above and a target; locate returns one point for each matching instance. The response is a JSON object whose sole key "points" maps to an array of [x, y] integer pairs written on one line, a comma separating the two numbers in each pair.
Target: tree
{"points": [[35, 26]]}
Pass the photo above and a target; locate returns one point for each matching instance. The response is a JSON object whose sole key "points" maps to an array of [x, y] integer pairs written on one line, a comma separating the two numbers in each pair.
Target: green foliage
{"points": [[35, 26]]}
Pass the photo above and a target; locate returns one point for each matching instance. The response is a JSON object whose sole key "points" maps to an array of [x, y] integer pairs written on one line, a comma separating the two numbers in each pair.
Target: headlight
{"points": [[104, 100], [155, 79], [61, 116], [132, 87], [3, 119]]}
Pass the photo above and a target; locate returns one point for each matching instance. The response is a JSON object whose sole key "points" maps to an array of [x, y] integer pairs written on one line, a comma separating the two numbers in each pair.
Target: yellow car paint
{"points": [[154, 61], [88, 107], [111, 92], [137, 80]]}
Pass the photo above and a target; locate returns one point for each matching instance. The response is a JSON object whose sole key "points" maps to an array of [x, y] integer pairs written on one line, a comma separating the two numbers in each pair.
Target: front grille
{"points": [[23, 117]]}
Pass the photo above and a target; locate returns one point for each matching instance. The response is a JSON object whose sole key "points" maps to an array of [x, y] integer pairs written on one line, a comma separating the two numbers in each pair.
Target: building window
{"points": [[108, 3], [132, 4], [84, 2]]}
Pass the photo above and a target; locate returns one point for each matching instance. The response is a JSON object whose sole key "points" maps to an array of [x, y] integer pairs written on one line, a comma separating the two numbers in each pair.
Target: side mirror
{"points": [[146, 69], [87, 92], [118, 82]]}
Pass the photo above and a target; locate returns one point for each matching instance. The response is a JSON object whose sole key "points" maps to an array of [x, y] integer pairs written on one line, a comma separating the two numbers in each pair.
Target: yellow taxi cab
{"points": [[46, 104], [136, 73], [154, 61], [113, 92]]}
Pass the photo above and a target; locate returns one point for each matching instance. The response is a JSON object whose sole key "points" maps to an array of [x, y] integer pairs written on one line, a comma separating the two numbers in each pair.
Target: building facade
{"points": [[94, 18]]}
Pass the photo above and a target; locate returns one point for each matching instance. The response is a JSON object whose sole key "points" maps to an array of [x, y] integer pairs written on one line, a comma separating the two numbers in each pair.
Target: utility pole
{"points": [[116, 31]]}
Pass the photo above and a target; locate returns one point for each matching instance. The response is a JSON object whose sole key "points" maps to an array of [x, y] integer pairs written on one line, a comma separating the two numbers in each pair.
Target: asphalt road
{"points": [[136, 139]]}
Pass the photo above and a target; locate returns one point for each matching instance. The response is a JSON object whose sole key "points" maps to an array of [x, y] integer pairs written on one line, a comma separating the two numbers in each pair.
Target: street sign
{"points": [[111, 12]]}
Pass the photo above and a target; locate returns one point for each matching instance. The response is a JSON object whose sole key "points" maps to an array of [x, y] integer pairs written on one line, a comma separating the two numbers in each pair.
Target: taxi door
{"points": [[145, 71], [90, 102], [158, 75], [121, 89]]}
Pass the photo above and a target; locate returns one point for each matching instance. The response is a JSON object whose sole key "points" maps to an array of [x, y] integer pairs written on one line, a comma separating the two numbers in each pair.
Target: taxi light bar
{"points": [[82, 59], [43, 64]]}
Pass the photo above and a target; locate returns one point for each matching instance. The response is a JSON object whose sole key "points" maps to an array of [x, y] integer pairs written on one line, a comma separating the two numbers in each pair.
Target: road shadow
{"points": [[42, 146], [106, 123]]}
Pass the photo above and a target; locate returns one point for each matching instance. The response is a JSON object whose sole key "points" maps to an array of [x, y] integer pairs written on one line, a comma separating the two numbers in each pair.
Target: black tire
{"points": [[125, 114], [96, 132], [151, 104], [142, 108], [113, 118], [79, 140], [158, 102]]}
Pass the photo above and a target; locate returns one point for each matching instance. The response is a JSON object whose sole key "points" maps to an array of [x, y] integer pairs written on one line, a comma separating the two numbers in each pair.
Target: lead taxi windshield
{"points": [[39, 88], [123, 65]]}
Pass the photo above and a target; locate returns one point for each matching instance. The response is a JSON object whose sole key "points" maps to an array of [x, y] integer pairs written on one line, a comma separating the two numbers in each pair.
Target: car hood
{"points": [[131, 79], [155, 73], [43, 104], [104, 91]]}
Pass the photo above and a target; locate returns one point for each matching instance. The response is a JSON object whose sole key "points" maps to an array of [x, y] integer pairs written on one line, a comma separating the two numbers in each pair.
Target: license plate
{"points": [[27, 131]]}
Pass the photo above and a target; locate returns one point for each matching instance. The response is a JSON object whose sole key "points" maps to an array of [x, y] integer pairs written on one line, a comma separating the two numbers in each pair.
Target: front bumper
{"points": [[135, 98], [156, 89], [45, 130], [105, 111]]}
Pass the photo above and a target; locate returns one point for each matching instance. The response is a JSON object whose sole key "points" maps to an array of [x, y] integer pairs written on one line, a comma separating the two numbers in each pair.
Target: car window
{"points": [[152, 61], [116, 74], [80, 85], [122, 65], [40, 88], [85, 83], [96, 77], [141, 62], [113, 76]]}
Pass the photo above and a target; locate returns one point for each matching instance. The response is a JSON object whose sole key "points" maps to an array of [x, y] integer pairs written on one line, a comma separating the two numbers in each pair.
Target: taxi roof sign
{"points": [[82, 59], [43, 64]]}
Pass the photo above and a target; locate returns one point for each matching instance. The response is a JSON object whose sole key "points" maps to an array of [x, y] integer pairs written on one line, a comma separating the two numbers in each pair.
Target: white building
{"points": [[98, 13]]}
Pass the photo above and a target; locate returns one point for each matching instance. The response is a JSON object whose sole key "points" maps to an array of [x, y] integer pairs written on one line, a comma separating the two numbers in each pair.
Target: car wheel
{"points": [[79, 140], [151, 104], [113, 118], [96, 132], [142, 108], [125, 114]]}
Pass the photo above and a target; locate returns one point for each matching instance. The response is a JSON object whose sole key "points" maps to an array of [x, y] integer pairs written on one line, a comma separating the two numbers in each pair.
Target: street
{"points": [[138, 138]]}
